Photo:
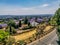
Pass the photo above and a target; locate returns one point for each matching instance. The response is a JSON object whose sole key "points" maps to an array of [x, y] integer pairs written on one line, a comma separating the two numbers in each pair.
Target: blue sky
{"points": [[23, 7]]}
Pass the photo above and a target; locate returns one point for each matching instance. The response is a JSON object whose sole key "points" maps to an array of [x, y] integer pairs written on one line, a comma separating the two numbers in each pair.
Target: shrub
{"points": [[28, 27], [3, 36], [21, 42], [10, 41], [13, 31]]}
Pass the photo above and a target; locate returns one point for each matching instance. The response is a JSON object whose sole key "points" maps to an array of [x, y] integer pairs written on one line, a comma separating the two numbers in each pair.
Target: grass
{"points": [[29, 34], [24, 36], [1, 29], [48, 28]]}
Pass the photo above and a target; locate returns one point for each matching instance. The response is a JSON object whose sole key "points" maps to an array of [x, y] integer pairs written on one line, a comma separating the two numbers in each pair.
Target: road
{"points": [[49, 39]]}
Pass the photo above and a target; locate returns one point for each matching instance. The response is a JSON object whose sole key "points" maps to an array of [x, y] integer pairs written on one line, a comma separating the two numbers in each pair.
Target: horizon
{"points": [[28, 7], [27, 14]]}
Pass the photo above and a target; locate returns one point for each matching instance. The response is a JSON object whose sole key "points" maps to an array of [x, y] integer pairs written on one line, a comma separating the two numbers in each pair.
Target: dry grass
{"points": [[24, 36], [29, 34], [48, 28]]}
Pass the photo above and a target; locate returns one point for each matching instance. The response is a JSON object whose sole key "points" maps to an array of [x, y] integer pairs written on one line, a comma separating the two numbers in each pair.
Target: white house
{"points": [[33, 23]]}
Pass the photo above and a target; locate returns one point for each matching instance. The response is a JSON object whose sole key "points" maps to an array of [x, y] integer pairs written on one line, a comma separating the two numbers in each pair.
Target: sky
{"points": [[27, 7]]}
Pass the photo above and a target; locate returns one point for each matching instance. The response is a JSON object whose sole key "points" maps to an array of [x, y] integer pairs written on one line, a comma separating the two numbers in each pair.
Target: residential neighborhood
{"points": [[29, 22]]}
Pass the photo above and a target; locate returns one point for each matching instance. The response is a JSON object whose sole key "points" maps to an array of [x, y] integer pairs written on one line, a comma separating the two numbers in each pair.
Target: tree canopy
{"points": [[55, 20], [57, 17], [3, 35]]}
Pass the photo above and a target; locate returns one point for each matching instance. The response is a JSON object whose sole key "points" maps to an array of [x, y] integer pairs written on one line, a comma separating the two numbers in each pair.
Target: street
{"points": [[49, 39]]}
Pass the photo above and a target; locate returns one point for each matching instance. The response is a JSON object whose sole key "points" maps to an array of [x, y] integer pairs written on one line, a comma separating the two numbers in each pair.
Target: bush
{"points": [[21, 42], [3, 36], [13, 31], [12, 23], [11, 41], [58, 29], [28, 27]]}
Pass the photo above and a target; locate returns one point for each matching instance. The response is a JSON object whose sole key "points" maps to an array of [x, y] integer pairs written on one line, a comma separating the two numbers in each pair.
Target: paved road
{"points": [[54, 41], [50, 39]]}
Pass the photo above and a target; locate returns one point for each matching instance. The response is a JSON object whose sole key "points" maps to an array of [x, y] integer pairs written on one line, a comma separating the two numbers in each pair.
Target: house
{"points": [[39, 20], [21, 19], [3, 26], [17, 21], [33, 23]]}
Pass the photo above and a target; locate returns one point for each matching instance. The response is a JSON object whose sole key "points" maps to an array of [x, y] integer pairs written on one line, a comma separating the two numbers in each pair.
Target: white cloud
{"points": [[15, 10], [45, 5]]}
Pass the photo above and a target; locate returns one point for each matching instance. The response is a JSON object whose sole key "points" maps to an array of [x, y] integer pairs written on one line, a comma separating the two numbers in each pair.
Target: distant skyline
{"points": [[28, 7]]}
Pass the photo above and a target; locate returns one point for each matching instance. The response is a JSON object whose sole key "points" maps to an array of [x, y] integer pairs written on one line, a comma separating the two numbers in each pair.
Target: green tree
{"points": [[12, 24], [25, 20], [19, 23], [57, 15], [28, 23], [3, 37], [10, 30], [56, 21]]}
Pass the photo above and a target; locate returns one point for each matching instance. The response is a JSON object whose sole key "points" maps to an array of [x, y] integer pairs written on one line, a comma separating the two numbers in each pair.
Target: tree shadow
{"points": [[58, 42]]}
